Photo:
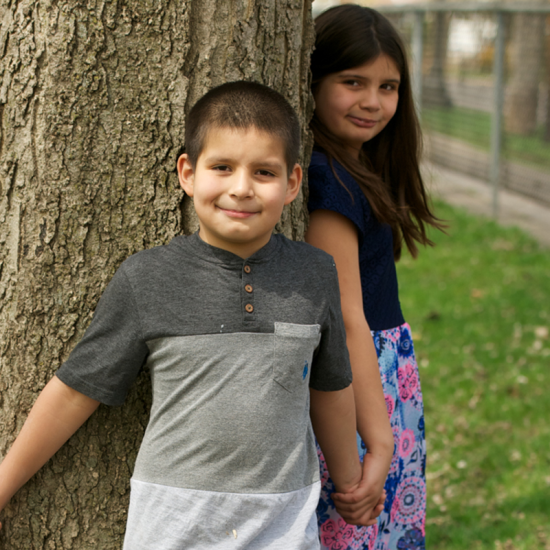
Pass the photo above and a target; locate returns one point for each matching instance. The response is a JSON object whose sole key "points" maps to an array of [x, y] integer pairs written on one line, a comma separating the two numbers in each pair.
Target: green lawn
{"points": [[479, 307], [475, 128]]}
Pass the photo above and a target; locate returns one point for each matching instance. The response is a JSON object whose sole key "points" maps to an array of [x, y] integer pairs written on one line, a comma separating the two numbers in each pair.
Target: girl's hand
{"points": [[365, 502], [359, 513]]}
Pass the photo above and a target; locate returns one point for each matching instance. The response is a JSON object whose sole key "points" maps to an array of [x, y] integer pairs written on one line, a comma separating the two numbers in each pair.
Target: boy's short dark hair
{"points": [[242, 105]]}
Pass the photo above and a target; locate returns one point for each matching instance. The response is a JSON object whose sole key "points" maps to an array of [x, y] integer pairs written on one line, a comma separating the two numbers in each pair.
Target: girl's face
{"points": [[356, 104]]}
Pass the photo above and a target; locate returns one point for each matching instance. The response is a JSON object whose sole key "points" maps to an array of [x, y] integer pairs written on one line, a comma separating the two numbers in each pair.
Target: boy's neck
{"points": [[243, 250]]}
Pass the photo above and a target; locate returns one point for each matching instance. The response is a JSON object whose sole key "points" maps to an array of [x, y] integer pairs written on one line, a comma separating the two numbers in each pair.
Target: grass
{"points": [[474, 127], [479, 307]]}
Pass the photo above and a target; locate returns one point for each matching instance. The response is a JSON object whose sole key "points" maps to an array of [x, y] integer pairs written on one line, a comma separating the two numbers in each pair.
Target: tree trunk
{"points": [[93, 97], [547, 79], [434, 87], [527, 55]]}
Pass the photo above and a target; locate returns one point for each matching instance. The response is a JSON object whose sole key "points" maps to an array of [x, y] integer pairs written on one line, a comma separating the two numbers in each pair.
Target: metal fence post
{"points": [[496, 120], [417, 52]]}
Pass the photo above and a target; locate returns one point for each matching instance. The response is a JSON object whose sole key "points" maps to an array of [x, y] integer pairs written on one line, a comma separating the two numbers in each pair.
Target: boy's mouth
{"points": [[237, 213]]}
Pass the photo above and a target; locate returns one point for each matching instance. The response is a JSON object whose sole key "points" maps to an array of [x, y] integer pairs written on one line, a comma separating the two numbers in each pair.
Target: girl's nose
{"points": [[369, 99]]}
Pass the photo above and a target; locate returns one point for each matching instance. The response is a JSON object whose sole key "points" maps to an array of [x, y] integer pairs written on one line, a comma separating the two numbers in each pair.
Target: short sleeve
{"points": [[107, 360], [327, 193], [331, 365]]}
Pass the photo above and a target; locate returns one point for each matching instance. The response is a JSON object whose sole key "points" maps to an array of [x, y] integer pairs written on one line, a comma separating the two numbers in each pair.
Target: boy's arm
{"points": [[333, 419], [58, 412]]}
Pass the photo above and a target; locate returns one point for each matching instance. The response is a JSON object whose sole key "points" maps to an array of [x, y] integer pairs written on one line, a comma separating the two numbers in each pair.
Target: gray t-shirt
{"points": [[232, 346]]}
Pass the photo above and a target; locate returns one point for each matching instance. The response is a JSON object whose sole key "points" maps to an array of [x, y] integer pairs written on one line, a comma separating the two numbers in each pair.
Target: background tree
{"points": [[93, 97], [547, 57], [527, 45], [434, 86]]}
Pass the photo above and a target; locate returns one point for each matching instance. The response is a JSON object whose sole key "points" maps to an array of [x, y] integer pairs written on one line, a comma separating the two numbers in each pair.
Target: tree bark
{"points": [[527, 57], [434, 87], [93, 97], [547, 67]]}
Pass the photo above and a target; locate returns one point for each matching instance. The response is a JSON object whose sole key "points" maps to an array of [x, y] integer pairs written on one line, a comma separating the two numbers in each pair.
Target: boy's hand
{"points": [[365, 502], [360, 513]]}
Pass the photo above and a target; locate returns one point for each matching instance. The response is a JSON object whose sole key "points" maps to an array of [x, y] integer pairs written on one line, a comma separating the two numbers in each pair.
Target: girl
{"points": [[367, 198]]}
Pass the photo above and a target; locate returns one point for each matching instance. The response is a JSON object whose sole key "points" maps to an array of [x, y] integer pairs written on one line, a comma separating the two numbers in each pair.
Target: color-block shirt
{"points": [[228, 459]]}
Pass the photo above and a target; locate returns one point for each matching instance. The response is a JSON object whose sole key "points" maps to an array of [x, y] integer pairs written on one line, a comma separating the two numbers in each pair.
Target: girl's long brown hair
{"points": [[388, 167]]}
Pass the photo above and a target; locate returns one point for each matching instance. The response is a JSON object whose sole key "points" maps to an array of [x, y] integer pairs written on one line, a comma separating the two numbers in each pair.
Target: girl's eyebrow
{"points": [[360, 77]]}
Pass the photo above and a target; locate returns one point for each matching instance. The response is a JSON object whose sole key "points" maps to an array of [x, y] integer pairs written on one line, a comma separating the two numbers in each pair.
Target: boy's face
{"points": [[239, 187]]}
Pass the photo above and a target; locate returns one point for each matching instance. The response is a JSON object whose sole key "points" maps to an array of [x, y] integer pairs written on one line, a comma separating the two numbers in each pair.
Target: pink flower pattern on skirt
{"points": [[409, 502], [336, 535], [406, 443], [390, 404], [402, 522]]}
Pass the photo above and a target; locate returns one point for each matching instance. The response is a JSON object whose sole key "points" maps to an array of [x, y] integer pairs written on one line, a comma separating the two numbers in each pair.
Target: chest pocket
{"points": [[293, 353]]}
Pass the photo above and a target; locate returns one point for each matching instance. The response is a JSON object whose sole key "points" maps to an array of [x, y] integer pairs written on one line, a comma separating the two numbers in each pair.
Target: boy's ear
{"points": [[294, 183], [186, 174]]}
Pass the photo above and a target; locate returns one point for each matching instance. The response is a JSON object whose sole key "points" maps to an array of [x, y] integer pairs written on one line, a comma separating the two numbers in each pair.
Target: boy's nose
{"points": [[241, 185]]}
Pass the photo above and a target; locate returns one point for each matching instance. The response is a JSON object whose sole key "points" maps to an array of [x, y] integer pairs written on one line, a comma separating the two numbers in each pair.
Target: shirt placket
{"points": [[247, 293]]}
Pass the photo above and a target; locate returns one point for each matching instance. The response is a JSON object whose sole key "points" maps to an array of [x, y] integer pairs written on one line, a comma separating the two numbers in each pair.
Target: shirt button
{"points": [[249, 308], [248, 288], [247, 269]]}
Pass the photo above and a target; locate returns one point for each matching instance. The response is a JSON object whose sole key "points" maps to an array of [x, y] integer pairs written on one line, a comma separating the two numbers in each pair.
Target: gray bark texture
{"points": [[527, 59], [547, 59], [93, 96], [434, 88]]}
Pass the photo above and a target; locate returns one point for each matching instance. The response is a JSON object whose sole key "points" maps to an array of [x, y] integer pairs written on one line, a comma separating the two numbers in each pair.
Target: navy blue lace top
{"points": [[376, 264]]}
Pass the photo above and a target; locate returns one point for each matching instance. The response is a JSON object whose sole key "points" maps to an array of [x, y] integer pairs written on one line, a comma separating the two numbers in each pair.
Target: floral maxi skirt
{"points": [[401, 523]]}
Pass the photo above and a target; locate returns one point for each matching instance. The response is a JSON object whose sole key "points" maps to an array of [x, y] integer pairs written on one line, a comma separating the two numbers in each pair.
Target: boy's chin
{"points": [[237, 242]]}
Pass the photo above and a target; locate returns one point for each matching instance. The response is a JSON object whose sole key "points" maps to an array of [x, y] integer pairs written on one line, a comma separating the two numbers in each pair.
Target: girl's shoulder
{"points": [[333, 175], [320, 163], [336, 190]]}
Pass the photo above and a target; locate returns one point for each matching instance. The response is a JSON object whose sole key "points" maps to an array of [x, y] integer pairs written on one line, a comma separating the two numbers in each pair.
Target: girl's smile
{"points": [[357, 104], [363, 122]]}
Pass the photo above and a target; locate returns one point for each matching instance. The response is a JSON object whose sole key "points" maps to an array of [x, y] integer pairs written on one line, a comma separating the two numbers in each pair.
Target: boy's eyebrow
{"points": [[210, 160], [274, 165]]}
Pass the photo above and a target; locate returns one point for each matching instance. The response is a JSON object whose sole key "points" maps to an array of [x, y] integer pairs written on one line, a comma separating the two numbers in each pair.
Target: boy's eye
{"points": [[266, 173], [221, 167]]}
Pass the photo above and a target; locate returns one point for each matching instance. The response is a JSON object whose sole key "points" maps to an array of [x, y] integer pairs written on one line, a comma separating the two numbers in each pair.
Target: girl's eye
{"points": [[351, 82], [389, 87]]}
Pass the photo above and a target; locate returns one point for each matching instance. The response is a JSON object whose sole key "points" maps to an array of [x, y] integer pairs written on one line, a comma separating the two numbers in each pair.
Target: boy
{"points": [[240, 329]]}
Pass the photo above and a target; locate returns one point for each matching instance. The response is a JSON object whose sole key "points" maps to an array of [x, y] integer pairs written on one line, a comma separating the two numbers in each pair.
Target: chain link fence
{"points": [[482, 84]]}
